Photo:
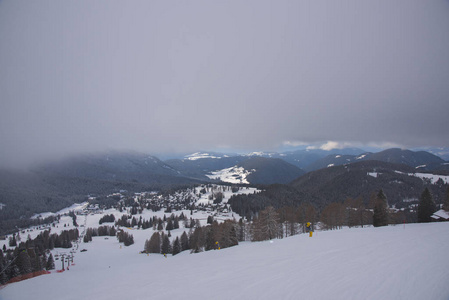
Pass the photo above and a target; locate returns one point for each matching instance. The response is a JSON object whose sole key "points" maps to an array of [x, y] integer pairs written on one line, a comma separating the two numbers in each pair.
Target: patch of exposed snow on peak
{"points": [[256, 154], [232, 175], [199, 155], [337, 156], [330, 165], [421, 166], [361, 156], [373, 174]]}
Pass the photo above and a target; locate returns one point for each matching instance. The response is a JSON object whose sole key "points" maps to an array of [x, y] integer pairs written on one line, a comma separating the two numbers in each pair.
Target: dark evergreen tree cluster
{"points": [[167, 223], [276, 195], [214, 236], [33, 255], [380, 213], [100, 231], [73, 216], [203, 238], [426, 207], [107, 219], [446, 200], [124, 237], [9, 226]]}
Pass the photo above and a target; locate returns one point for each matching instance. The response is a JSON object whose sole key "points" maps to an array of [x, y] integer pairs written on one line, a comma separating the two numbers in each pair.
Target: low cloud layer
{"points": [[180, 76]]}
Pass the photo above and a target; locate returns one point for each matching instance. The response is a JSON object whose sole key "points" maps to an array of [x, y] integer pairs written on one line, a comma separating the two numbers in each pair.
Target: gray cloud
{"points": [[179, 76]]}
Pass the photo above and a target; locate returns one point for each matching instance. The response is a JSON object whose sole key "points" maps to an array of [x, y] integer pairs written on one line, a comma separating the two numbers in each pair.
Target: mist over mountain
{"points": [[117, 166]]}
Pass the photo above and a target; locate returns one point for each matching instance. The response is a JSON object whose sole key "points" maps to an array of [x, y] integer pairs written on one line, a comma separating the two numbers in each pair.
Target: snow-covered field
{"points": [[234, 174], [395, 262], [432, 177]]}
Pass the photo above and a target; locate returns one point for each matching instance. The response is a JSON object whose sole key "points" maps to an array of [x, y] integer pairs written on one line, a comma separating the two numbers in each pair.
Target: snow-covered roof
{"points": [[441, 214]]}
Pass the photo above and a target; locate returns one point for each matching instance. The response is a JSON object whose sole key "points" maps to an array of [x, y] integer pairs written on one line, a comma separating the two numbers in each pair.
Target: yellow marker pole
{"points": [[310, 233]]}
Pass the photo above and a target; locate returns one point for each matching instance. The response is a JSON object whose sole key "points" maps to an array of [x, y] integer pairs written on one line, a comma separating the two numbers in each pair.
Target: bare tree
{"points": [[266, 225]]}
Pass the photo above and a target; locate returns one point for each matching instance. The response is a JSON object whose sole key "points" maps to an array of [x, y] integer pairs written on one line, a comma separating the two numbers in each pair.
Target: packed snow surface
{"points": [[394, 262]]}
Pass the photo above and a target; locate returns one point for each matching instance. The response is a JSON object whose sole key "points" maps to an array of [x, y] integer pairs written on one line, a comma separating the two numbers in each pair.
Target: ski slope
{"points": [[394, 262]]}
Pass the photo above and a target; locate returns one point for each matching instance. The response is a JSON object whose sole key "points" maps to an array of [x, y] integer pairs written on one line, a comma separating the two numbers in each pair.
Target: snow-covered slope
{"points": [[234, 174], [75, 208], [395, 262]]}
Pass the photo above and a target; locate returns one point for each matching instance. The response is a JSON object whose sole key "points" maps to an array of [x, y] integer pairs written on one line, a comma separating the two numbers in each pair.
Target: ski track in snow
{"points": [[394, 262]]}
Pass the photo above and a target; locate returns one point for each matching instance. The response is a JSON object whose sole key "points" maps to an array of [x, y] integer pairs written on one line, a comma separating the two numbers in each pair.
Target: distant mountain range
{"points": [[54, 185], [420, 160]]}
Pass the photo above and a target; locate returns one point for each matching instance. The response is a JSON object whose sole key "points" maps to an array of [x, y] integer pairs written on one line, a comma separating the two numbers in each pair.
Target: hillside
{"points": [[417, 159], [201, 165], [331, 161], [239, 169], [361, 179], [406, 157], [270, 170], [344, 264], [52, 186], [400, 184], [116, 166]]}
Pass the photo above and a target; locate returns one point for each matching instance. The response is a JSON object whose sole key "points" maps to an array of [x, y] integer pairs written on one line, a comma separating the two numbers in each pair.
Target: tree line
{"points": [[33, 255], [202, 238]]}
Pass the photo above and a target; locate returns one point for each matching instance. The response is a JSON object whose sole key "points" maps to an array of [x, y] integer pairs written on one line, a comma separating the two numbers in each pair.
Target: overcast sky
{"points": [[177, 76]]}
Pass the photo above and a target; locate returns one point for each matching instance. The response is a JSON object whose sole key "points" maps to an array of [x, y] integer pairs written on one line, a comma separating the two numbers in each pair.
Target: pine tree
{"points": [[23, 262], [3, 276], [426, 207], [165, 247], [154, 244], [12, 241], [380, 216], [210, 238], [159, 225], [184, 241], [169, 225], [50, 263], [446, 201], [176, 246]]}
